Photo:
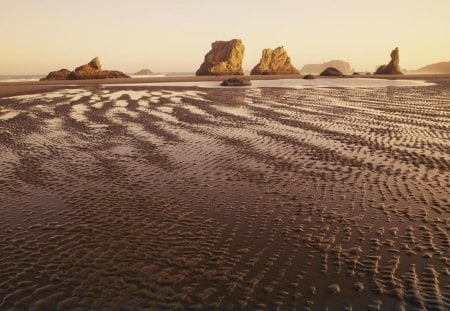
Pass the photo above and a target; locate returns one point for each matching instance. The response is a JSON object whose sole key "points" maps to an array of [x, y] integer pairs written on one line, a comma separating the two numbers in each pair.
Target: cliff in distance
{"points": [[341, 65], [436, 68]]}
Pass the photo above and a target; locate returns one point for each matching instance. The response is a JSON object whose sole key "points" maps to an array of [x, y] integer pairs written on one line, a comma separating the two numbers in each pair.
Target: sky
{"points": [[38, 36]]}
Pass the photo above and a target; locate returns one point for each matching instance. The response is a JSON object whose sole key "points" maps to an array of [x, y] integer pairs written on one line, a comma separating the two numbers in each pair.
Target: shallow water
{"points": [[152, 197], [298, 83]]}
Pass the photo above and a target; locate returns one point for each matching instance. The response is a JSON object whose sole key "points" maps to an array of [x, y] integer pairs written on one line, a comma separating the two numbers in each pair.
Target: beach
{"points": [[123, 195]]}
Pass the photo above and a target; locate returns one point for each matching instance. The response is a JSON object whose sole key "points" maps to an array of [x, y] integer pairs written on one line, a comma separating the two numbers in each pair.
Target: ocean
{"points": [[20, 78]]}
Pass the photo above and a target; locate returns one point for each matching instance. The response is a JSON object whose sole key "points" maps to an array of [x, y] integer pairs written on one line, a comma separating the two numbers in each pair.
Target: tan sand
{"points": [[162, 198]]}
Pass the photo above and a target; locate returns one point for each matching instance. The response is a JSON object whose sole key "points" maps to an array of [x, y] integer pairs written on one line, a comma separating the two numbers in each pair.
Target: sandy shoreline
{"points": [[30, 87], [163, 198]]}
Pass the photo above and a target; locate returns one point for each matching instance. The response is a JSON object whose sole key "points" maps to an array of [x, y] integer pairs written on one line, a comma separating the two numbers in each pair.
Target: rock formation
{"points": [[57, 75], [224, 58], [144, 72], [274, 62], [393, 68], [236, 82], [341, 65], [309, 77], [331, 72], [92, 70]]}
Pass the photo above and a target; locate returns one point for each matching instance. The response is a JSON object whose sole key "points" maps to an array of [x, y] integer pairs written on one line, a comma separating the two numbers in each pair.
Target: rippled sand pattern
{"points": [[254, 199]]}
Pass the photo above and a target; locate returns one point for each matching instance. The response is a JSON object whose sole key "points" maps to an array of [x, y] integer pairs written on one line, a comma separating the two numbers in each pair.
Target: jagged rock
{"points": [[224, 58], [274, 62], [341, 65], [57, 75], [236, 82], [393, 68], [331, 72], [144, 72], [92, 70], [309, 77]]}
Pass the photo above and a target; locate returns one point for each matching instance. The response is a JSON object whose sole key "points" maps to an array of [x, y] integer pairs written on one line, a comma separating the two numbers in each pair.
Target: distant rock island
{"points": [[92, 70], [331, 72], [436, 68], [144, 72], [340, 65], [224, 58], [274, 62], [393, 67]]}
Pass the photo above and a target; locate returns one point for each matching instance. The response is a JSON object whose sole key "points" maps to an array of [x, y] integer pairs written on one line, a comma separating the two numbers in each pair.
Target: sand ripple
{"points": [[255, 199]]}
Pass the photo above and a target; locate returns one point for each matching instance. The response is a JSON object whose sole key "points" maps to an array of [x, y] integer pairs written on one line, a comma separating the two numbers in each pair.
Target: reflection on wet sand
{"points": [[255, 199]]}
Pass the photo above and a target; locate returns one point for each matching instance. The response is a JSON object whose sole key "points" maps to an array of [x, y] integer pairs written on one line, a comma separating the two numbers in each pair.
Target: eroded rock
{"points": [[224, 58], [274, 62], [57, 75], [92, 70], [393, 67]]}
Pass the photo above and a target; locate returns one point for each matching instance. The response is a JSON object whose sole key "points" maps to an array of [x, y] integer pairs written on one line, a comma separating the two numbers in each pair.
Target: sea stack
{"points": [[393, 68], [92, 70], [224, 58], [274, 62]]}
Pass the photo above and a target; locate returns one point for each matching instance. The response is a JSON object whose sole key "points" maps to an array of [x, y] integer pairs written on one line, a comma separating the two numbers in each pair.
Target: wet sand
{"points": [[171, 198], [30, 87]]}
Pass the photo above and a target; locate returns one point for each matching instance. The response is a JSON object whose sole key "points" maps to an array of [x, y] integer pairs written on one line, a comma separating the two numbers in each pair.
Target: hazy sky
{"points": [[38, 36]]}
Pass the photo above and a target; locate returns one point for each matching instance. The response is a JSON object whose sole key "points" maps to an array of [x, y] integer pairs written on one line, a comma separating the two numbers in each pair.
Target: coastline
{"points": [[31, 87]]}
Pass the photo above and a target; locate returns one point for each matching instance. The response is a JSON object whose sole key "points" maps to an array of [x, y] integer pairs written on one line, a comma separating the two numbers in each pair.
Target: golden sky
{"points": [[174, 35]]}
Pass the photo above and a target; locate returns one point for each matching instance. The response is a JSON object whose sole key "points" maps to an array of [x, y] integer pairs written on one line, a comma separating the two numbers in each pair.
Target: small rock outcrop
{"points": [[331, 72], [57, 75], [144, 72], [274, 62], [341, 65], [393, 68], [309, 77], [236, 82], [224, 58], [92, 70]]}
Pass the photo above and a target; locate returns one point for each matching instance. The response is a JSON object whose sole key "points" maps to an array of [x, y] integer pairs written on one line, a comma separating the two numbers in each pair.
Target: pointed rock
{"points": [[274, 62], [224, 58], [393, 68]]}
